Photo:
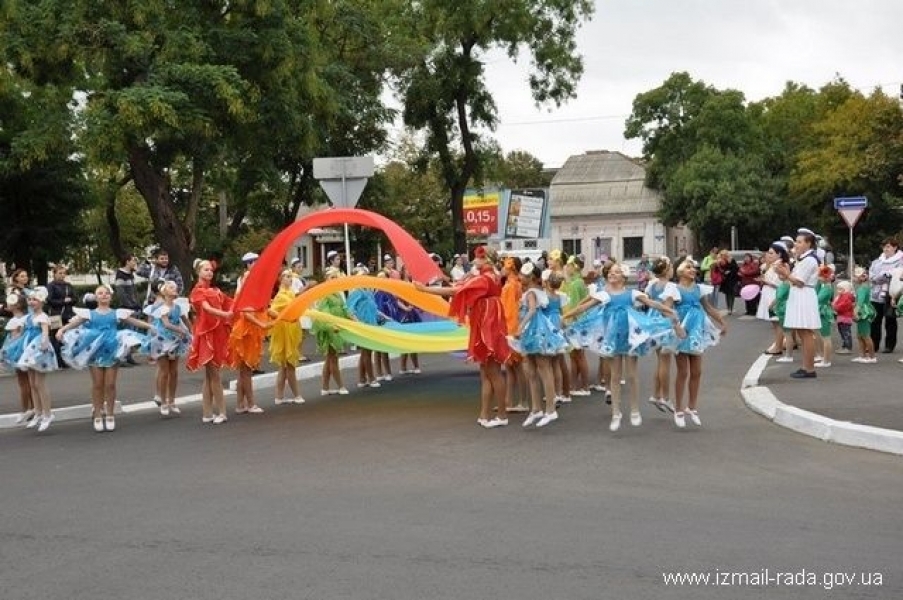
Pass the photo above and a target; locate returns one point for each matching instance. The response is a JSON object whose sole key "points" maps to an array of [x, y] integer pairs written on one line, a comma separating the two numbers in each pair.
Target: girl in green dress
{"points": [[329, 342]]}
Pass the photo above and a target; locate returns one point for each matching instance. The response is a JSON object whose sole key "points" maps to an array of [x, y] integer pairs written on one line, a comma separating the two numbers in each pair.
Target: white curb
{"points": [[760, 400]]}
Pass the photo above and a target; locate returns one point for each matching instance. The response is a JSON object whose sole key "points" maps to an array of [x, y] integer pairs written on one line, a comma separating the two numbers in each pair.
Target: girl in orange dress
{"points": [[478, 301], [514, 369], [210, 344], [249, 328], [285, 342]]}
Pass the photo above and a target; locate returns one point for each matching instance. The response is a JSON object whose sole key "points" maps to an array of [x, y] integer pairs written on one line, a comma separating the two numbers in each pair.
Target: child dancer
{"points": [[13, 345], [512, 290], [541, 342], [864, 313], [843, 306], [552, 281], [696, 315], [775, 255], [824, 292], [170, 341], [576, 291], [92, 339], [329, 342], [387, 305], [626, 334], [478, 301], [38, 357], [408, 314], [285, 343], [665, 291], [249, 328], [210, 341], [362, 306]]}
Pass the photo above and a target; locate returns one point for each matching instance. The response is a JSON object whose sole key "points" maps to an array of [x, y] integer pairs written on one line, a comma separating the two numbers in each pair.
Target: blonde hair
{"points": [[199, 264], [844, 286]]}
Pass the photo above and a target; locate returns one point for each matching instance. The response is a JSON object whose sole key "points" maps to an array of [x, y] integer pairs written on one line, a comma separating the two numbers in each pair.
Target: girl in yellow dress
{"points": [[285, 342]]}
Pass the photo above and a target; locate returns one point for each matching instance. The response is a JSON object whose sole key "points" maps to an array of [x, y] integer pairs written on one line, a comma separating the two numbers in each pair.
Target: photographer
{"points": [[880, 274], [159, 269]]}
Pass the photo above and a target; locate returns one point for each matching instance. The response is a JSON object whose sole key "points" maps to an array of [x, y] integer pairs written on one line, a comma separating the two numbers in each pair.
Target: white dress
{"points": [[802, 303], [770, 282]]}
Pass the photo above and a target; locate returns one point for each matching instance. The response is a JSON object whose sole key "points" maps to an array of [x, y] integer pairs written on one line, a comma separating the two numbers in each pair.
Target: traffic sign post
{"points": [[343, 179], [851, 209]]}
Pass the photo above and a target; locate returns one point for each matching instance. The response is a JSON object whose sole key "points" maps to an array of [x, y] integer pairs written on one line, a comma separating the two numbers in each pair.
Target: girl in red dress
{"points": [[210, 344], [478, 301]]}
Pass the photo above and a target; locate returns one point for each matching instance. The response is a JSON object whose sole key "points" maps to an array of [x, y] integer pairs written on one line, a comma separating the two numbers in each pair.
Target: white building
{"points": [[601, 207]]}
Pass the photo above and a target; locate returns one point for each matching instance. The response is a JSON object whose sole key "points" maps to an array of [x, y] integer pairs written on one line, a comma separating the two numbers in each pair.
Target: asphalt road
{"points": [[396, 493]]}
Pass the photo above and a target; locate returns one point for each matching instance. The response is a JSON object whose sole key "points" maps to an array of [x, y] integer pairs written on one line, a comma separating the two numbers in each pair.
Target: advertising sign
{"points": [[526, 210], [481, 212]]}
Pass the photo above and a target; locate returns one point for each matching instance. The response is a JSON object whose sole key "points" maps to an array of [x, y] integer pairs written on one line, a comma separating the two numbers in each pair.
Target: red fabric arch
{"points": [[255, 292]]}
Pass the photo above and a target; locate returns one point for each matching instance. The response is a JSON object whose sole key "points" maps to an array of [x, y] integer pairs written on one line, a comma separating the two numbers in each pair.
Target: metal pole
{"points": [[850, 260], [347, 235]]}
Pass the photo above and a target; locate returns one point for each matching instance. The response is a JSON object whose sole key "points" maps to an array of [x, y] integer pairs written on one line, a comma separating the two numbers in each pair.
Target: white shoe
{"points": [[387, 378], [175, 409], [98, 425], [280, 401], [659, 404], [822, 364], [563, 399], [219, 419], [496, 422], [694, 416], [679, 420], [416, 372], [784, 359], [207, 419], [819, 359], [900, 360], [24, 417], [33, 422], [299, 400], [667, 404], [158, 400], [362, 384], [255, 410], [342, 391], [375, 384], [615, 422], [532, 418], [109, 423], [164, 410], [623, 382], [45, 423], [597, 388], [871, 360], [549, 418], [636, 419], [325, 392]]}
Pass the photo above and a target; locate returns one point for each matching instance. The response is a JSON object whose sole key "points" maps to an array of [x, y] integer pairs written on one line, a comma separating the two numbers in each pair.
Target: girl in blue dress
{"points": [[665, 291], [361, 304], [624, 334], [697, 317], [93, 340], [539, 341], [12, 348], [169, 341], [557, 302], [387, 304], [38, 357]]}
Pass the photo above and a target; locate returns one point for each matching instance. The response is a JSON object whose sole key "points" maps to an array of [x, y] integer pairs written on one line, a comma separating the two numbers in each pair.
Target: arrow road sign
{"points": [[851, 202]]}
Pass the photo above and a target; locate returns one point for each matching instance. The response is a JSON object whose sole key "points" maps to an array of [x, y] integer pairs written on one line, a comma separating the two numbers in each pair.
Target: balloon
{"points": [[402, 289], [255, 293], [749, 292]]}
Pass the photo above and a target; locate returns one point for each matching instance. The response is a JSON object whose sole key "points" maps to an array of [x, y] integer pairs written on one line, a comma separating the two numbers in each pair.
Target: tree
{"points": [[517, 169], [443, 87]]}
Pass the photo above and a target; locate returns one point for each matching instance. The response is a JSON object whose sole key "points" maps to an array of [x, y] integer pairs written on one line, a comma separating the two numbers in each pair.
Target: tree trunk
{"points": [[113, 224], [171, 234]]}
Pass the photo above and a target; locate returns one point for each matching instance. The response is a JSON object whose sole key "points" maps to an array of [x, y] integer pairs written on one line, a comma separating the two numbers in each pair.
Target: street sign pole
{"points": [[343, 179], [347, 231], [851, 208]]}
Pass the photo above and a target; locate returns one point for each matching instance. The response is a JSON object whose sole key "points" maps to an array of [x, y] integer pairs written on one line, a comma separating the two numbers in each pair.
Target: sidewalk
{"points": [[849, 403]]}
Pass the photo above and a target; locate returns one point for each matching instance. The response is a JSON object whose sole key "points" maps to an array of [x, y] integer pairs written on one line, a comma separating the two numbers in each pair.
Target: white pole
{"points": [[850, 260], [347, 235]]}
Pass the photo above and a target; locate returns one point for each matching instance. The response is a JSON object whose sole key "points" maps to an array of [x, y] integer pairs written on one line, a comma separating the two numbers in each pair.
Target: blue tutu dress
{"points": [[586, 330], [540, 335], [701, 331], [98, 342], [12, 345], [37, 355], [362, 304], [660, 293], [163, 342], [629, 332], [387, 305]]}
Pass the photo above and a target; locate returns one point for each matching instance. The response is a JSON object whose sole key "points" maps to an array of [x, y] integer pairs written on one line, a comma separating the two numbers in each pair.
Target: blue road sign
{"points": [[851, 202]]}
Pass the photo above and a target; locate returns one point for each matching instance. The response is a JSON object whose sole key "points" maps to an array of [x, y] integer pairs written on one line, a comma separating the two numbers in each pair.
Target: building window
{"points": [[572, 247], [633, 247]]}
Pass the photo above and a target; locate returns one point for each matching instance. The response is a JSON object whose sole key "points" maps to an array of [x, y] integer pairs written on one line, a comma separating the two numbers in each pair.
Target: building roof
{"points": [[602, 183]]}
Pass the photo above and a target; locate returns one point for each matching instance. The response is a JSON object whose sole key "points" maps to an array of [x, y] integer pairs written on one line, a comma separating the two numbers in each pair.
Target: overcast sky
{"points": [[755, 46]]}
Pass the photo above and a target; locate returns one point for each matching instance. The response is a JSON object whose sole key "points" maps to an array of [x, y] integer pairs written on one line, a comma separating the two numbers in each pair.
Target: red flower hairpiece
{"points": [[479, 252]]}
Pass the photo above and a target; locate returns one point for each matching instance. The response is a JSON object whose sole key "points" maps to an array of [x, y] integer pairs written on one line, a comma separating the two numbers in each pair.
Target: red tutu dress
{"points": [[210, 342], [479, 302]]}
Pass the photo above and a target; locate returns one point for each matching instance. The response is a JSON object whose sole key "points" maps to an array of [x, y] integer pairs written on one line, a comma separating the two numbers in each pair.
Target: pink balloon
{"points": [[749, 291]]}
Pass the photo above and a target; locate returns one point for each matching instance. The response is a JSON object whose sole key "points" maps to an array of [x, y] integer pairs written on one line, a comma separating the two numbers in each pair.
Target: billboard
{"points": [[526, 214], [481, 212]]}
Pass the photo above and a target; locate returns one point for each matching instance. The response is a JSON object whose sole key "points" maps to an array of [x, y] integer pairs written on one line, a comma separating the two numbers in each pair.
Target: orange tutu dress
{"points": [[478, 301], [511, 294], [246, 340], [210, 335]]}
